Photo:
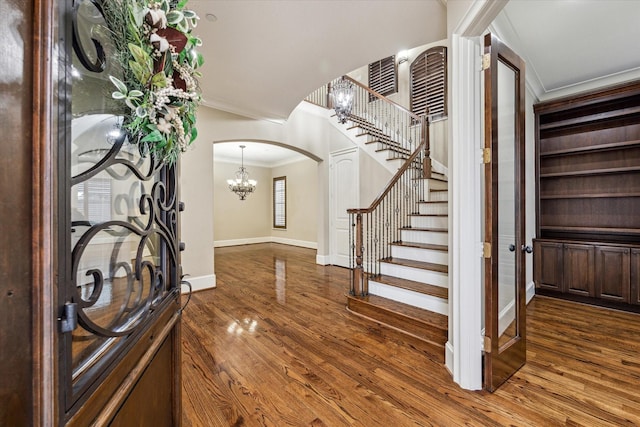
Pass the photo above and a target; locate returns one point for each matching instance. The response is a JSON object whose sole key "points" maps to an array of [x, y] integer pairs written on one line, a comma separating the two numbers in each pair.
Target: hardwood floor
{"points": [[274, 346]]}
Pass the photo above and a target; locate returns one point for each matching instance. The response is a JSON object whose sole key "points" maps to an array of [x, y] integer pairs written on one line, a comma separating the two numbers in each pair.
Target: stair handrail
{"points": [[404, 132], [391, 183], [379, 239], [381, 97]]}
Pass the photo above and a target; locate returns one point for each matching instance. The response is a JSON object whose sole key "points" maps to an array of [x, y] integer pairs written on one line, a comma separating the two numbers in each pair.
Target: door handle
{"points": [[528, 249], [512, 247]]}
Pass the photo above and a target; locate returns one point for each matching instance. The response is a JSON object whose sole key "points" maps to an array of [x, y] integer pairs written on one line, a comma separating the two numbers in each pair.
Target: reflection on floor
{"points": [[252, 357]]}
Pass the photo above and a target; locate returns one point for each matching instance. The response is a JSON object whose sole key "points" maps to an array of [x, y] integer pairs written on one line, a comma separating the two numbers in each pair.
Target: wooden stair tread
{"points": [[425, 318], [434, 176], [436, 229], [425, 215], [433, 201], [440, 268], [422, 246], [411, 285]]}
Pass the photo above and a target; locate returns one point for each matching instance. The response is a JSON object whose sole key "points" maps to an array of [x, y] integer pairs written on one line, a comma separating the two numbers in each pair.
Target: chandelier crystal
{"points": [[342, 94], [242, 185]]}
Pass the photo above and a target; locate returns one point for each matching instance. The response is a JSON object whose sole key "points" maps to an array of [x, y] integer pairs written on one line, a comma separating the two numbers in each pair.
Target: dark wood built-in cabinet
{"points": [[588, 196]]}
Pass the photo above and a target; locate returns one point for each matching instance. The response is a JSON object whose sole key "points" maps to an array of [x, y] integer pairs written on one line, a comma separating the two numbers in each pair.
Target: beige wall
{"points": [[302, 201], [240, 219], [251, 220]]}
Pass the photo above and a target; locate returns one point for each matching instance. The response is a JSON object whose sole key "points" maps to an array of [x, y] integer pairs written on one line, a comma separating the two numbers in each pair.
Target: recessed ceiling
{"points": [[263, 57], [567, 43], [255, 153]]}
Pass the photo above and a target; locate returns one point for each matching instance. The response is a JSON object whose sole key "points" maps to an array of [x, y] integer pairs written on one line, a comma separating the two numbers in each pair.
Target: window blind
{"points": [[383, 76], [280, 202]]}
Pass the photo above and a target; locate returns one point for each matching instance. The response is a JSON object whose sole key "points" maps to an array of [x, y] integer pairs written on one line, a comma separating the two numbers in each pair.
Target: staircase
{"points": [[399, 244], [410, 292]]}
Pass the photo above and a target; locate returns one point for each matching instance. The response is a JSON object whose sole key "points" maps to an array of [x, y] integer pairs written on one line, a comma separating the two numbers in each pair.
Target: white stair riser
{"points": [[420, 254], [429, 221], [405, 296], [439, 195], [415, 274], [433, 184], [438, 208], [432, 237]]}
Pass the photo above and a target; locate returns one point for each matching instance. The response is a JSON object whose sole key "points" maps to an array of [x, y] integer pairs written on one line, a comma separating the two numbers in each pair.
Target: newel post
{"points": [[359, 279], [426, 158]]}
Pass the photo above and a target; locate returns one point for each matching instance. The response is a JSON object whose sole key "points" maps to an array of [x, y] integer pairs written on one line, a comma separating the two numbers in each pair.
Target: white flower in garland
{"points": [[160, 84]]}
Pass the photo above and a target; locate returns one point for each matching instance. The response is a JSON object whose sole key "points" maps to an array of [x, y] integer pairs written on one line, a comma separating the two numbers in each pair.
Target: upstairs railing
{"points": [[396, 128], [406, 135]]}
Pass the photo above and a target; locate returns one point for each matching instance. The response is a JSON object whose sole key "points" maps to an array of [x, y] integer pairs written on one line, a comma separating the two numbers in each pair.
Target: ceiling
{"points": [[264, 56], [569, 43]]}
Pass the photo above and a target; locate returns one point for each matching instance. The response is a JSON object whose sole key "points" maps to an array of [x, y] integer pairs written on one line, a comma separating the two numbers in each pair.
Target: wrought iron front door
{"points": [[118, 252]]}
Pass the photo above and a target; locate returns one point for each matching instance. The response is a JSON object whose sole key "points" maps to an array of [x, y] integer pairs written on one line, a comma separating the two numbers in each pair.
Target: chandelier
{"points": [[342, 94], [242, 185]]}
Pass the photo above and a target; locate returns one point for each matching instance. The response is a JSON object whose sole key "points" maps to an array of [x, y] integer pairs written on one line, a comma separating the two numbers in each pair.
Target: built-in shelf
{"points": [[587, 172], [599, 230], [591, 148], [588, 196], [590, 118]]}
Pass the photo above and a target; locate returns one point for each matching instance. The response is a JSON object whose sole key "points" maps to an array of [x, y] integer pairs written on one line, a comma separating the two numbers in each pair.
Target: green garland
{"points": [[156, 51]]}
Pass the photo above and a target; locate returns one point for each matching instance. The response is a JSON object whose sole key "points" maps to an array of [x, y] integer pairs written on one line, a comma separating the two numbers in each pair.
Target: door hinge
{"points": [[487, 344], [486, 155], [69, 321], [486, 250], [486, 61]]}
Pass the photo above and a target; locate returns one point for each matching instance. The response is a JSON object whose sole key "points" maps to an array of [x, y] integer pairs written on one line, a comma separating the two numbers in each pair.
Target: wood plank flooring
{"points": [[274, 346]]}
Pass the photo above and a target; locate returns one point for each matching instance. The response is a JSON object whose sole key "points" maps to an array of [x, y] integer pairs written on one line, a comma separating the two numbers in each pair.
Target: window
{"points": [[429, 83], [280, 202], [383, 77]]}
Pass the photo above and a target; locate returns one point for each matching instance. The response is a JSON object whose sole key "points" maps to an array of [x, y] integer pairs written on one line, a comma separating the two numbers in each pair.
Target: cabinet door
{"points": [[634, 297], [612, 273], [547, 265], [578, 269]]}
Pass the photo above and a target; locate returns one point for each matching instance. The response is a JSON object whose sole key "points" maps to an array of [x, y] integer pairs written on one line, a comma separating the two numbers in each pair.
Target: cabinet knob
{"points": [[512, 247], [528, 249]]}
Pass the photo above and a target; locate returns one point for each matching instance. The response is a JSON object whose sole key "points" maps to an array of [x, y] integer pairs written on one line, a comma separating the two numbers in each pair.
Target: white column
{"points": [[464, 351]]}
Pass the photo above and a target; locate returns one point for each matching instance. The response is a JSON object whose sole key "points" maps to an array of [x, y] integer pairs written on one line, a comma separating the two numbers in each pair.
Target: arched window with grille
{"points": [[429, 83]]}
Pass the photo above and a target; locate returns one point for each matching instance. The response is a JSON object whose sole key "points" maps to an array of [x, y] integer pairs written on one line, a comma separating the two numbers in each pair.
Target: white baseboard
{"points": [[323, 259], [266, 239], [531, 291], [238, 242], [448, 357], [200, 283], [293, 242]]}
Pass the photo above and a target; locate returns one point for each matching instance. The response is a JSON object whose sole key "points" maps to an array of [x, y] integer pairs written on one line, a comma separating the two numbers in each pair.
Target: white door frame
{"points": [[334, 188]]}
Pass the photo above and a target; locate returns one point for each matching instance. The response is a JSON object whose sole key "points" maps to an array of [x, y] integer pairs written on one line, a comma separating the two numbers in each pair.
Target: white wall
{"points": [[196, 222]]}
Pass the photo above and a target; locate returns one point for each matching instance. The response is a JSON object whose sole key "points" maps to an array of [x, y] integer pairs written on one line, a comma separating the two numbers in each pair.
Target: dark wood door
{"points": [[118, 250], [578, 269], [612, 270], [505, 291], [548, 268]]}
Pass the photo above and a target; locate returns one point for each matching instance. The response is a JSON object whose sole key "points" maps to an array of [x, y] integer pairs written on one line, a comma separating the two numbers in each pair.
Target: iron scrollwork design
{"points": [[137, 265], [99, 64]]}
